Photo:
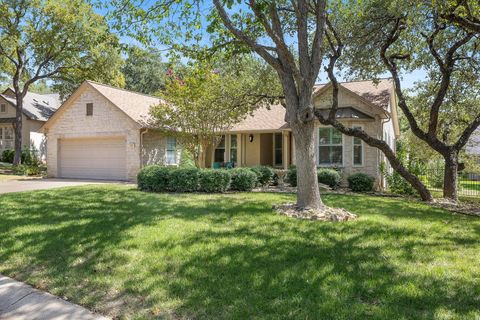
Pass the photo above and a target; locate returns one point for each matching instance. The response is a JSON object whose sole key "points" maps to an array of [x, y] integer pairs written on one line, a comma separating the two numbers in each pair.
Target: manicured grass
{"points": [[137, 255]]}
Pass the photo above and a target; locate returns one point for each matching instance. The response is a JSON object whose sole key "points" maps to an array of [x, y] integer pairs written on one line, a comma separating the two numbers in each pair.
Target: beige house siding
{"points": [[346, 99], [107, 121], [153, 148]]}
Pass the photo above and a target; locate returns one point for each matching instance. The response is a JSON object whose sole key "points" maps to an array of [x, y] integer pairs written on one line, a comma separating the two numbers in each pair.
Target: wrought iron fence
{"points": [[468, 182]]}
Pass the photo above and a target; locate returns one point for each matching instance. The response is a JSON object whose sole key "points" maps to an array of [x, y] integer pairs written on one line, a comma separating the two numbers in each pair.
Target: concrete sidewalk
{"points": [[19, 301]]}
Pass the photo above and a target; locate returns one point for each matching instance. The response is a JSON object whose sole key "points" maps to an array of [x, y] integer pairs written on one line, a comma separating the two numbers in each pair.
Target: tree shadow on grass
{"points": [[124, 252]]}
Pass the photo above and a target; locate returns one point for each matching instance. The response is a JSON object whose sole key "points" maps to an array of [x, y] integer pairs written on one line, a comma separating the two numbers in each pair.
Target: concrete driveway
{"points": [[9, 186]]}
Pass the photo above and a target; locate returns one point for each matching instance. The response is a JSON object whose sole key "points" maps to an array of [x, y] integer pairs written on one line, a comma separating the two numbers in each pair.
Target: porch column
{"points": [[227, 148], [286, 149], [294, 156], [239, 150]]}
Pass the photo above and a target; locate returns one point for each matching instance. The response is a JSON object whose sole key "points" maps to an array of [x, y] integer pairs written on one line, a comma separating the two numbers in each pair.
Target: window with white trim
{"points": [[357, 150], [330, 146], [171, 150], [3, 108], [219, 155], [6, 138]]}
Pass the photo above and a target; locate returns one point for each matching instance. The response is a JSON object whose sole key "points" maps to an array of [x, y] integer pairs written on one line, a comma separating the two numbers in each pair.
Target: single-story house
{"points": [[264, 138], [37, 109], [102, 132]]}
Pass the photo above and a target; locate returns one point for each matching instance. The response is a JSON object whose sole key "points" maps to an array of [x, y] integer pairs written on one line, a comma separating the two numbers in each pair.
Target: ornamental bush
{"points": [[7, 156], [292, 176], [183, 180], [154, 178], [264, 175], [360, 182], [329, 177], [212, 180], [243, 179]]}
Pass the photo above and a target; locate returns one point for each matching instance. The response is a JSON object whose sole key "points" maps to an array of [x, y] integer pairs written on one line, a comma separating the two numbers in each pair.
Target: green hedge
{"points": [[157, 178], [184, 180], [154, 178], [329, 177], [360, 182], [264, 175], [243, 179], [214, 181], [29, 157]]}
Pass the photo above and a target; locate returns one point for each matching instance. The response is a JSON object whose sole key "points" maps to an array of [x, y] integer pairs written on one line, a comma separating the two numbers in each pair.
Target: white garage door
{"points": [[93, 158]]}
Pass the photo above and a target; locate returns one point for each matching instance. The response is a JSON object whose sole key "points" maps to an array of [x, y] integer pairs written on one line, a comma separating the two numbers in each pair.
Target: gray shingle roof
{"points": [[37, 106]]}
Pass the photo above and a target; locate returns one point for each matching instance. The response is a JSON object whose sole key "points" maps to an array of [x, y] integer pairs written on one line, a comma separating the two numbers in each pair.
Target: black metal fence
{"points": [[468, 182]]}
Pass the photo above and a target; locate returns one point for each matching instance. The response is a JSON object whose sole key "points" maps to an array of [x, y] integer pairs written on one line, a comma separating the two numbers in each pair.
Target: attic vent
{"points": [[89, 109], [45, 102], [35, 100]]}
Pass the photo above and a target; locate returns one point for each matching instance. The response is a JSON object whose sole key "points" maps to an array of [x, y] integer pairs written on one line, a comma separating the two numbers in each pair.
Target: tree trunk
{"points": [[17, 159], [450, 176], [308, 194]]}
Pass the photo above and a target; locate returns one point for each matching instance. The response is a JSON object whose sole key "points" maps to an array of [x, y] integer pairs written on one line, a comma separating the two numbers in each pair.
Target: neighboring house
{"points": [[101, 132], [37, 108], [473, 145]]}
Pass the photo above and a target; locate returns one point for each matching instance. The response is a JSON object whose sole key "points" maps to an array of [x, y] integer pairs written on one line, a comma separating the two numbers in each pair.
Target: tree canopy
{"points": [[144, 70], [63, 41], [206, 98]]}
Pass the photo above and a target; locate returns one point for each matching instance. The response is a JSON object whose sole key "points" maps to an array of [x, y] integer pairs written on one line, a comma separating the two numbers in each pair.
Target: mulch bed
{"points": [[323, 214]]}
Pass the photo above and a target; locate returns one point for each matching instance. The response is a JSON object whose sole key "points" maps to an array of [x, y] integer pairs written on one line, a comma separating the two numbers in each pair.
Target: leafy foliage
{"points": [[214, 181], [144, 70], [264, 175], [183, 180], [209, 97], [330, 177], [360, 182], [243, 179]]}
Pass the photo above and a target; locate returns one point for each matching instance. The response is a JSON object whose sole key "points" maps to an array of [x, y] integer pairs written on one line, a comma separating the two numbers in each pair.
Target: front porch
{"points": [[249, 149]]}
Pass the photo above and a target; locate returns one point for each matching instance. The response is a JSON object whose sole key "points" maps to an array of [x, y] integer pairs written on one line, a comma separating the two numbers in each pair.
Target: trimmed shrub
{"points": [[292, 176], [154, 178], [28, 157], [243, 179], [212, 180], [183, 180], [264, 175], [329, 177], [360, 182], [7, 156]]}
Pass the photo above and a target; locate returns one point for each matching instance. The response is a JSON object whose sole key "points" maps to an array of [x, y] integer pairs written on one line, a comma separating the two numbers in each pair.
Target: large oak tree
{"points": [[287, 34], [64, 41]]}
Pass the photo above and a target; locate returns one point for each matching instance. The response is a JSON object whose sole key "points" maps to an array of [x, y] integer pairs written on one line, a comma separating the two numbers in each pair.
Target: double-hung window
{"points": [[171, 150], [6, 138], [330, 147], [219, 155], [357, 150], [3, 108]]}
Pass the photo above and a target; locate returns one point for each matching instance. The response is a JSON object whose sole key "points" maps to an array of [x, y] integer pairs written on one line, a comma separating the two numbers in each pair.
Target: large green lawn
{"points": [[126, 253]]}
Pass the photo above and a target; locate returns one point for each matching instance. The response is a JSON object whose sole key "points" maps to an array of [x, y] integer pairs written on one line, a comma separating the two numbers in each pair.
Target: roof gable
{"points": [[375, 93], [135, 105]]}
